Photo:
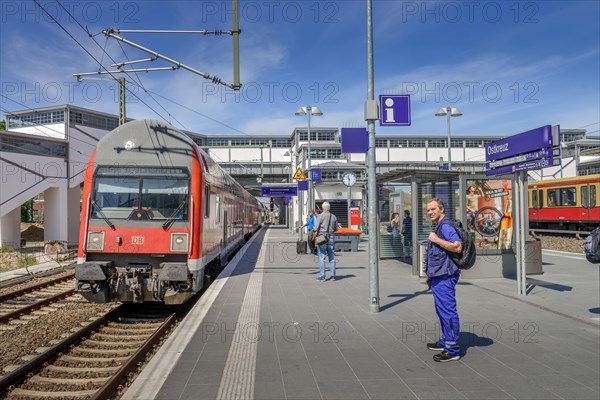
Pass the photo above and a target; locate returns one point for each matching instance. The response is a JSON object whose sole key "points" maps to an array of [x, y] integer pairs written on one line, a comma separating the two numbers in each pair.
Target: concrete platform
{"points": [[267, 330]]}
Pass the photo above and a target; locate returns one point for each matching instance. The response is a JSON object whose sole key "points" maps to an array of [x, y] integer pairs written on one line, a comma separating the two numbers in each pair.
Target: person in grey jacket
{"points": [[326, 224]]}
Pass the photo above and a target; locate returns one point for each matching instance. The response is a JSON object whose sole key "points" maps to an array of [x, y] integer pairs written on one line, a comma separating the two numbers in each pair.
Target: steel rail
{"points": [[116, 380], [41, 285], [28, 309], [36, 363]]}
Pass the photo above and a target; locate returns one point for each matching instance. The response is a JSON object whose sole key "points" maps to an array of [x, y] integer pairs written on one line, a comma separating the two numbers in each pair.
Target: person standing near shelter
{"points": [[407, 231], [395, 224], [443, 275], [310, 225], [326, 224]]}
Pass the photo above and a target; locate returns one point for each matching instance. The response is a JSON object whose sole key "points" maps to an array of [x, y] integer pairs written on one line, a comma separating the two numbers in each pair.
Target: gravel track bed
{"points": [[562, 243], [22, 337], [24, 285]]}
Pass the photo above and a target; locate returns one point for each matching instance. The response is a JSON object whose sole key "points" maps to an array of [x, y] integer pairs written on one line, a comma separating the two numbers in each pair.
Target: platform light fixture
{"points": [[449, 112], [315, 111]]}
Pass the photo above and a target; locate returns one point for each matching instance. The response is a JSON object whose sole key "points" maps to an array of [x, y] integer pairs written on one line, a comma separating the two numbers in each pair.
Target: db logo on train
{"points": [[137, 240]]}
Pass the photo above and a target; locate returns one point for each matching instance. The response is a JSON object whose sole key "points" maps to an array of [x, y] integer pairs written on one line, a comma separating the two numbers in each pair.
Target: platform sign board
{"points": [[534, 149], [315, 175], [270, 191], [355, 140], [394, 110], [302, 185]]}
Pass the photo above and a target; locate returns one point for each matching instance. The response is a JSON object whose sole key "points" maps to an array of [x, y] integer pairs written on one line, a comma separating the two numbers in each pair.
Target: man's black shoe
{"points": [[445, 357], [435, 346]]}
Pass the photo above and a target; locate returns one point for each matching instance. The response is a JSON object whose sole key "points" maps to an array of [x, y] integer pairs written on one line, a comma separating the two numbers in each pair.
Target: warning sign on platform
{"points": [[299, 174]]}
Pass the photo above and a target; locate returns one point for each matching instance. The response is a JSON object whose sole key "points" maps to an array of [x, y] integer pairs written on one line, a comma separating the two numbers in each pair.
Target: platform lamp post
{"points": [[449, 112], [308, 110]]}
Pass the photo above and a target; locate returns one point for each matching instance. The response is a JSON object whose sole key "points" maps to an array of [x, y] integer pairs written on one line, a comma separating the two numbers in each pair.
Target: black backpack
{"points": [[466, 258], [592, 246]]}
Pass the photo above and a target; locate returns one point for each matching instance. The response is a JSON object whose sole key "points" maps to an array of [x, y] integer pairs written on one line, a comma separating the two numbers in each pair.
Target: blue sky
{"points": [[509, 66]]}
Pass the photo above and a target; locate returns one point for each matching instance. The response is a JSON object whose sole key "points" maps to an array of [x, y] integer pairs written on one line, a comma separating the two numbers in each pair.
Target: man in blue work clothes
{"points": [[443, 275]]}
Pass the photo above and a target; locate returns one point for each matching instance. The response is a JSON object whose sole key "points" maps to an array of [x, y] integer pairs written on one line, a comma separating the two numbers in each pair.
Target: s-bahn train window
{"points": [[553, 195], [584, 197], [534, 199], [568, 196], [207, 201], [162, 197]]}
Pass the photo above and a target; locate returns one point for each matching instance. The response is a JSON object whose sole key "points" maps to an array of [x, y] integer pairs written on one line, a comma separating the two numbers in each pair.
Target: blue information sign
{"points": [[394, 110], [268, 191], [525, 166], [355, 140], [315, 175], [302, 185]]}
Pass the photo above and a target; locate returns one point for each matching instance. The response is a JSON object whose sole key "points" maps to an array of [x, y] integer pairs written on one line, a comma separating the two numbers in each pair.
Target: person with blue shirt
{"points": [[310, 224], [326, 224], [442, 274]]}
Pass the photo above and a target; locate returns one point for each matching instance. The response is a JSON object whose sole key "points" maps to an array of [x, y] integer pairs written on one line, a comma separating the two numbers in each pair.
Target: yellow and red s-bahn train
{"points": [[568, 203], [159, 217]]}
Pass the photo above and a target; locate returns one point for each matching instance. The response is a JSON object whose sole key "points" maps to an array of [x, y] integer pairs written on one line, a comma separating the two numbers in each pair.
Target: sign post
{"points": [[517, 154]]}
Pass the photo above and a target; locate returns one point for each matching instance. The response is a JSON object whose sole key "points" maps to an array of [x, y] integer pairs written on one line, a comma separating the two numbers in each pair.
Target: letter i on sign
{"points": [[389, 110]]}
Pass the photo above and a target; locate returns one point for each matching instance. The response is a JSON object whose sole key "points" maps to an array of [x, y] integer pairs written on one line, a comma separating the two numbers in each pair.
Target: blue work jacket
{"points": [[439, 263]]}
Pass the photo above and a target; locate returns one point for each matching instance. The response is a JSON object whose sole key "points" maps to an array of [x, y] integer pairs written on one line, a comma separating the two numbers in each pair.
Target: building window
{"points": [[217, 142], [415, 143], [281, 143], [441, 143], [381, 143], [398, 143], [456, 142], [240, 142], [259, 142]]}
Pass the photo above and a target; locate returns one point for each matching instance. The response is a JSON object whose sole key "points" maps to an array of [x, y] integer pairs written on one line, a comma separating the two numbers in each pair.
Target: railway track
{"points": [[92, 362], [24, 301]]}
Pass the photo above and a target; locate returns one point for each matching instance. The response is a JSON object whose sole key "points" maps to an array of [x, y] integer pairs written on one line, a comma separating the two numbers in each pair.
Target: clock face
{"points": [[349, 179]]}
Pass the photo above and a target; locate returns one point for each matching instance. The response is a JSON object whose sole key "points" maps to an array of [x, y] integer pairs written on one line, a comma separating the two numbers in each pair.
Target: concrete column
{"points": [[10, 229], [73, 214], [56, 221]]}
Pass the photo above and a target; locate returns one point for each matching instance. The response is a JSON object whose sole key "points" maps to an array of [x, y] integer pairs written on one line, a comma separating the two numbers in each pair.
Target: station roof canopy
{"points": [[402, 175]]}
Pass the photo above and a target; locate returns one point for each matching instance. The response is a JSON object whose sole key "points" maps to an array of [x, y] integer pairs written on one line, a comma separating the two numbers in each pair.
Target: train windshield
{"points": [[161, 197]]}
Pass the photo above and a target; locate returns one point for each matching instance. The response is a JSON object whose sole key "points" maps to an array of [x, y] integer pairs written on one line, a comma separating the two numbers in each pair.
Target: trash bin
{"points": [[347, 239], [533, 257], [301, 246]]}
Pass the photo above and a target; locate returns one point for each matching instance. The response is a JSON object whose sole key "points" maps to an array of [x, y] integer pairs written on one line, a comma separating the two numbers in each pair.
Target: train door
{"points": [[536, 203], [225, 225], [588, 201]]}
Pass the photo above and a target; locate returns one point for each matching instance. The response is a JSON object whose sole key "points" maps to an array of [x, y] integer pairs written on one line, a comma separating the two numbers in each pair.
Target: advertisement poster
{"points": [[489, 213]]}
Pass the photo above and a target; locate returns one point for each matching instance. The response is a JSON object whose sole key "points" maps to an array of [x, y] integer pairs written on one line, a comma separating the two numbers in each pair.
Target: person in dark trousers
{"points": [[310, 225], [407, 232], [443, 275], [326, 225]]}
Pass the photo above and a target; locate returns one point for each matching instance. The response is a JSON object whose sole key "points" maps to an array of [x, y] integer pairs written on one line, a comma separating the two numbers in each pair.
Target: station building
{"points": [[44, 152]]}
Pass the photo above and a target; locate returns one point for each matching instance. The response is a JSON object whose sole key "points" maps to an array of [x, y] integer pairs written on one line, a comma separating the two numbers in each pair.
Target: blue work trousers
{"points": [[327, 249], [444, 296]]}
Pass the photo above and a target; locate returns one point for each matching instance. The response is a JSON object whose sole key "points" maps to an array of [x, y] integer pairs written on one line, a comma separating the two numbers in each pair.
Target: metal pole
{"points": [[300, 236], [371, 181], [121, 101], [449, 111], [310, 204], [523, 197], [349, 200]]}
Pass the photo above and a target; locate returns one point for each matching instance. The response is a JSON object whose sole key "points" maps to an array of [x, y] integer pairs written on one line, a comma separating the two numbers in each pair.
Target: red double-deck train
{"points": [[569, 203], [159, 217]]}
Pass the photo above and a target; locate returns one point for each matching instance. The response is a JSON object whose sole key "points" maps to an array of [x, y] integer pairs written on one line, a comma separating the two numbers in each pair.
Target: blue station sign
{"points": [[270, 191], [315, 175], [534, 149]]}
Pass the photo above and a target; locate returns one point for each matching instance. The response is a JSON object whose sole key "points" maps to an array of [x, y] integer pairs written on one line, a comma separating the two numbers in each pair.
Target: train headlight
{"points": [[95, 241], [179, 241]]}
